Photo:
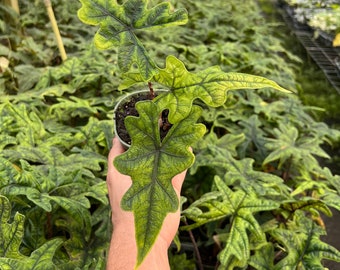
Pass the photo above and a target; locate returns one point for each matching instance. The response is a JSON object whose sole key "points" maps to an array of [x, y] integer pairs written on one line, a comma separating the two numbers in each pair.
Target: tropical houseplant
{"points": [[56, 131], [152, 161]]}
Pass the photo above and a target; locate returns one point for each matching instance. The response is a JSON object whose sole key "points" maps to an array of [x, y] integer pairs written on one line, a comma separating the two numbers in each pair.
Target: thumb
{"points": [[116, 150]]}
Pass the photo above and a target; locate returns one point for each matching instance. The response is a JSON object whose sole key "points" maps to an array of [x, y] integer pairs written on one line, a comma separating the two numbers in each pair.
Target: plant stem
{"points": [[55, 29], [286, 173], [49, 225], [197, 252], [152, 93]]}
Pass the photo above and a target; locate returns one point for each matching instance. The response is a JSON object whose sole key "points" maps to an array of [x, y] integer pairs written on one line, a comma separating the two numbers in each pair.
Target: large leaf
{"points": [[120, 25], [241, 207], [152, 162], [209, 85]]}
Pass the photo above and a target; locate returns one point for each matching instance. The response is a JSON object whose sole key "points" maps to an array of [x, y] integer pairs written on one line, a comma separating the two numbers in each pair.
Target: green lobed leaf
{"points": [[35, 228], [241, 173], [152, 163], [40, 199], [121, 24], [77, 210], [209, 85], [75, 107], [263, 259], [40, 259], [288, 143], [81, 250], [10, 234], [303, 245], [306, 204], [241, 207], [332, 200], [98, 192], [253, 129], [8, 172], [244, 207]]}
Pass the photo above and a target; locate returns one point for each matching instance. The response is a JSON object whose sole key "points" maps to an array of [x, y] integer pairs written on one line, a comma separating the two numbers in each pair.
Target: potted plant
{"points": [[166, 124]]}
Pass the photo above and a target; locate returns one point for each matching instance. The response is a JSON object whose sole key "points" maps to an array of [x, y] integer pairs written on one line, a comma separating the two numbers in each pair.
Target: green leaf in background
{"points": [[152, 162], [263, 258], [181, 262], [10, 234], [306, 204], [120, 25], [216, 152], [252, 127], [302, 244], [228, 142], [239, 173], [288, 144], [40, 259], [241, 207], [79, 247]]}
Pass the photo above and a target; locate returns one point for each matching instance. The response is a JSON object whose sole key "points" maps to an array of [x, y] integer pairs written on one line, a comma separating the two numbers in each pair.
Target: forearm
{"points": [[123, 252]]}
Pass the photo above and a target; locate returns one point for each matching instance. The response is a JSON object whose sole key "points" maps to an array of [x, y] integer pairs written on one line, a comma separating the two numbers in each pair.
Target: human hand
{"points": [[123, 250]]}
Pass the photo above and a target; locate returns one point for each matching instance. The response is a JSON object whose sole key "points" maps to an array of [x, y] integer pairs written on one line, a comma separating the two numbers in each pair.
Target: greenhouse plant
{"points": [[152, 161], [255, 187]]}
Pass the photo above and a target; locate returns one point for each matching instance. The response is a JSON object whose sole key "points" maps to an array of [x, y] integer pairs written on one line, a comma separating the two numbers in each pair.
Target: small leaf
{"points": [[98, 192], [288, 144], [240, 173], [263, 259], [307, 204]]}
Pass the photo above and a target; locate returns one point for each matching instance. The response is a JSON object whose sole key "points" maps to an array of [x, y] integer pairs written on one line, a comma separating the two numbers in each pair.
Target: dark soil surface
{"points": [[128, 109]]}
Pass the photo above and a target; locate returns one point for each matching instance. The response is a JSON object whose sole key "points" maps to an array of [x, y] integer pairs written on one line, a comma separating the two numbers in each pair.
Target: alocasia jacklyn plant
{"points": [[152, 161]]}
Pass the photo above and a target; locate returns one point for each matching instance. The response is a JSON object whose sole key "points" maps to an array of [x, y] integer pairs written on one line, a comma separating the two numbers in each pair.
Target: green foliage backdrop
{"points": [[254, 193]]}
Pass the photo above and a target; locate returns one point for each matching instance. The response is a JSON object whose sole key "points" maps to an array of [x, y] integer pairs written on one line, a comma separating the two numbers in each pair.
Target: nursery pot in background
{"points": [[126, 107]]}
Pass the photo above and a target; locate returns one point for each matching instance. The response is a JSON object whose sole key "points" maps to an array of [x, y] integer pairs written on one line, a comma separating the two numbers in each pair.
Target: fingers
{"points": [[177, 182], [117, 148]]}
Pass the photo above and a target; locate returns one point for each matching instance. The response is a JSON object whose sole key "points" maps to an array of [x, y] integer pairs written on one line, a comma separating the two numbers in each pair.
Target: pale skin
{"points": [[123, 251]]}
